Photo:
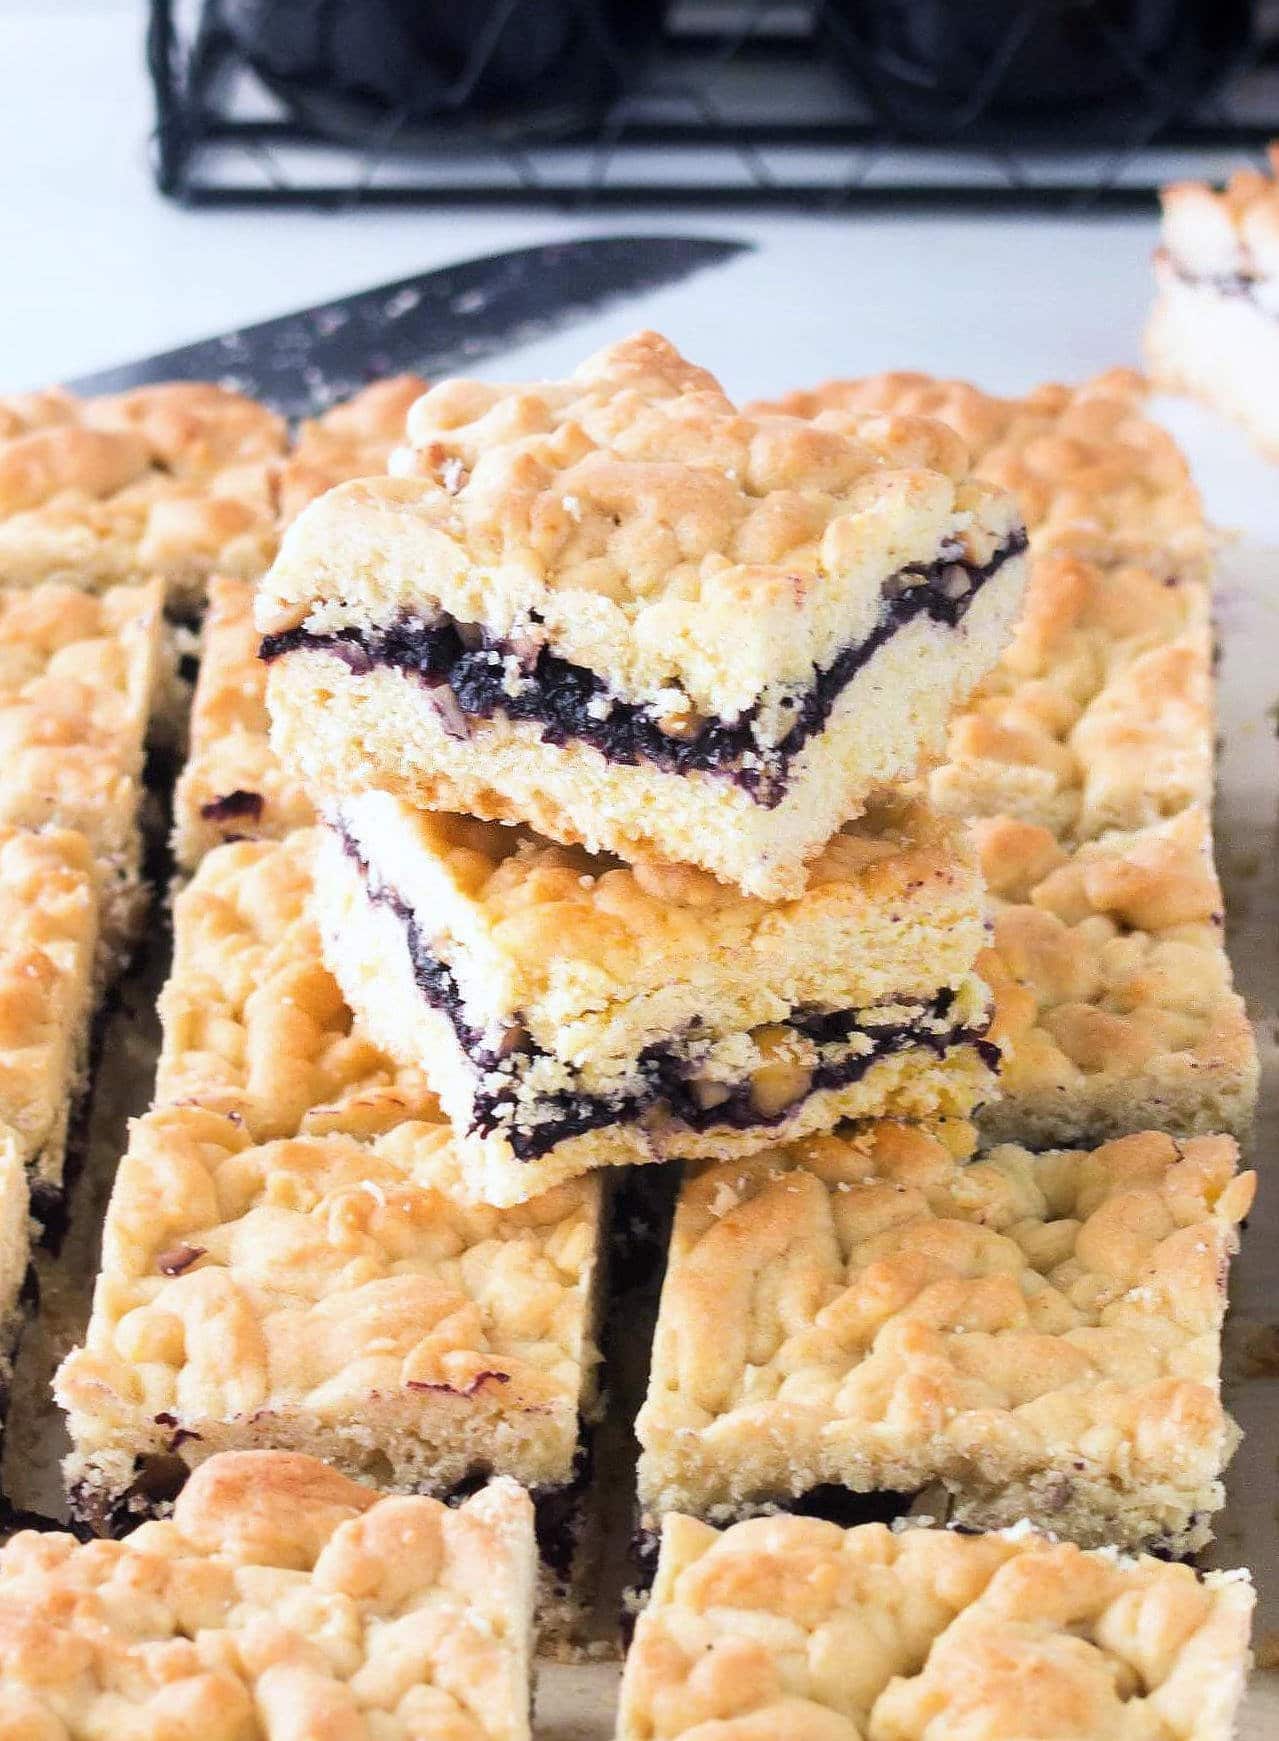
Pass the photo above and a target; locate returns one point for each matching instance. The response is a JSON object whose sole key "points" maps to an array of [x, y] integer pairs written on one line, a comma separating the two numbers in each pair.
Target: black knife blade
{"points": [[435, 323]]}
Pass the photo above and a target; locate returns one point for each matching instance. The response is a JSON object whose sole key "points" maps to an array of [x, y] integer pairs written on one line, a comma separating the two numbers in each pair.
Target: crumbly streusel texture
{"points": [[48, 941], [332, 1296], [175, 480], [254, 1023], [690, 561], [1092, 475], [786, 1626], [1099, 715], [1214, 328], [1115, 1003], [570, 973], [232, 787], [282, 1599], [1039, 1333], [79, 676], [352, 440]]}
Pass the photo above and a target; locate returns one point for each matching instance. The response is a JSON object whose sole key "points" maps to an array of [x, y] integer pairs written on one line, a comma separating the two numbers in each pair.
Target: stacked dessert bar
{"points": [[614, 776], [1212, 329], [405, 1046]]}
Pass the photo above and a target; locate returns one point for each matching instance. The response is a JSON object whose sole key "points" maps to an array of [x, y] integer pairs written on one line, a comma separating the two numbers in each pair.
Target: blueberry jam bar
{"points": [[332, 1296], [791, 1626], [1117, 1008], [279, 1598], [574, 1012], [1214, 329], [176, 480], [232, 787], [80, 678], [1036, 1335], [623, 611]]}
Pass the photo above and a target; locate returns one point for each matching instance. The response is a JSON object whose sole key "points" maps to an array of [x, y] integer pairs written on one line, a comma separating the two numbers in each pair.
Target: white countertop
{"points": [[98, 267]]}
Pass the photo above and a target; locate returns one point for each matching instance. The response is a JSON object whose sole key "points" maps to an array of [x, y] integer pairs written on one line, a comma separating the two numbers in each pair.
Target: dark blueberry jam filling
{"points": [[462, 663], [1224, 283], [665, 1073], [233, 806]]}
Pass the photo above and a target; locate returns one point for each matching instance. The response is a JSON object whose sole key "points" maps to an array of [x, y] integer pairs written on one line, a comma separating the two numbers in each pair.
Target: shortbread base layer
{"points": [[423, 1443], [367, 949], [1219, 346], [1209, 1091], [1075, 1504], [382, 729]]}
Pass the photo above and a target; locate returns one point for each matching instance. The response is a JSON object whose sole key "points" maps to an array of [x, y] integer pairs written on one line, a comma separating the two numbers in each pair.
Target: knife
{"points": [[434, 323]]}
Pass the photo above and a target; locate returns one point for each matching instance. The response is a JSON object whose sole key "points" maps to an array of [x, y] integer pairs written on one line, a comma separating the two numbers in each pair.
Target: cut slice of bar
{"points": [[573, 1012], [1214, 329], [232, 787], [1040, 1334], [254, 1024], [618, 609], [48, 941], [279, 1599], [331, 1296], [1099, 715], [1116, 1006], [1093, 476], [789, 1626], [175, 480], [78, 678]]}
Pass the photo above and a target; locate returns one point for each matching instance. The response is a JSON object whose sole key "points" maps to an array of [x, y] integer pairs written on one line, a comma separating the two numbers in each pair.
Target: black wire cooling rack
{"points": [[1034, 103]]}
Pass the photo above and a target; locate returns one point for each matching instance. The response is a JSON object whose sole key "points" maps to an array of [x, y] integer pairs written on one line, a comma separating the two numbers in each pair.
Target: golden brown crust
{"points": [[1033, 1331], [254, 1023], [329, 1294], [1092, 476], [77, 676], [352, 440], [565, 936], [1099, 715], [232, 787], [639, 524], [790, 1626], [191, 428], [279, 1598], [172, 480], [48, 937], [1116, 1005]]}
